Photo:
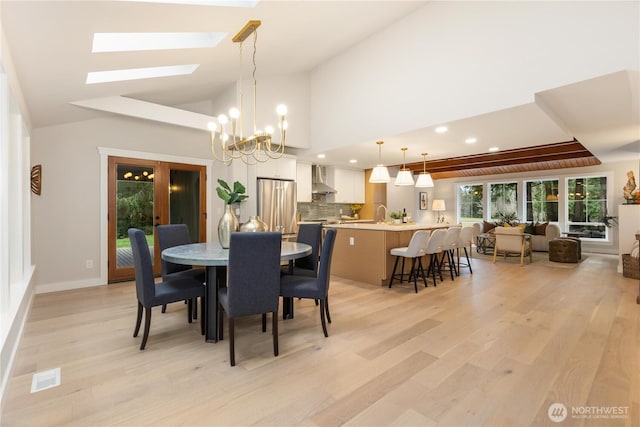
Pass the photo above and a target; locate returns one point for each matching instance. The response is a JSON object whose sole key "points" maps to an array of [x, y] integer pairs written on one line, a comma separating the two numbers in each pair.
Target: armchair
{"points": [[512, 240]]}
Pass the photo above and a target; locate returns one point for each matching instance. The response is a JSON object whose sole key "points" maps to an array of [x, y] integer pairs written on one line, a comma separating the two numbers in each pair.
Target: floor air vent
{"points": [[45, 379]]}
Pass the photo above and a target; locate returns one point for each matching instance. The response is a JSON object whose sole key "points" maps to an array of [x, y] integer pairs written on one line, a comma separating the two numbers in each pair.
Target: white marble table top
{"points": [[212, 253]]}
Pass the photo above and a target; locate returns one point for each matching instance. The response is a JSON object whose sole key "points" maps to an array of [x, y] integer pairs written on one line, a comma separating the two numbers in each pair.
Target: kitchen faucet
{"points": [[385, 213]]}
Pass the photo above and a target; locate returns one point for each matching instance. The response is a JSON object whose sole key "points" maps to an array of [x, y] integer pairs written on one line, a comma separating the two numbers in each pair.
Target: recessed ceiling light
{"points": [[230, 3], [139, 73], [471, 140], [494, 149], [441, 129], [321, 156], [353, 161], [126, 42]]}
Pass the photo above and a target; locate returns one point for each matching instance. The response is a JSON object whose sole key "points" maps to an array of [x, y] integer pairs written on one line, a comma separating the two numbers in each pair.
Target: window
{"points": [[470, 203], [504, 200], [541, 200], [587, 205]]}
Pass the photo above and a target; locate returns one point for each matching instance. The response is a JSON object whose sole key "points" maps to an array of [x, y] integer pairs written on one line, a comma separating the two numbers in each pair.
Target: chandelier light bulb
{"points": [[223, 119], [212, 126], [269, 130], [234, 113], [281, 109]]}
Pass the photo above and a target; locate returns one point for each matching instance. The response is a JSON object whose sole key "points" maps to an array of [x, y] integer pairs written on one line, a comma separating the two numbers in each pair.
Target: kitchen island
{"points": [[361, 251]]}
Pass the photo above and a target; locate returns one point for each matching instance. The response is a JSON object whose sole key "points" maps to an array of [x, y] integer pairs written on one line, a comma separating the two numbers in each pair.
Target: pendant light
{"points": [[424, 179], [380, 173], [404, 177]]}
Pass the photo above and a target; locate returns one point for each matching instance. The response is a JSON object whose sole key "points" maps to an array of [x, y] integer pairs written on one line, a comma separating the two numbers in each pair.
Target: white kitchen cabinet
{"points": [[348, 183], [303, 182], [282, 168]]}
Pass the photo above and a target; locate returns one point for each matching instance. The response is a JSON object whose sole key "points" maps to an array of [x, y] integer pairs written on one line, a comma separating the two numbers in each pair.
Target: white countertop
{"points": [[388, 227]]}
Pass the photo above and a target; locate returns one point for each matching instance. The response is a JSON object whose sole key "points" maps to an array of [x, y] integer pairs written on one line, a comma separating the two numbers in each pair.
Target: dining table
{"points": [[215, 259]]}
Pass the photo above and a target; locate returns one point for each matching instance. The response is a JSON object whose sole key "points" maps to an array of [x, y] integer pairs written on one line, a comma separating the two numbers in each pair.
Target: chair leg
{"points": [[326, 308], [274, 322], [415, 274], [147, 324], [468, 260], [190, 311], [138, 320], [220, 323], [393, 273], [202, 319], [195, 308], [264, 322], [324, 324], [495, 253], [402, 271], [164, 308], [232, 350], [421, 270]]}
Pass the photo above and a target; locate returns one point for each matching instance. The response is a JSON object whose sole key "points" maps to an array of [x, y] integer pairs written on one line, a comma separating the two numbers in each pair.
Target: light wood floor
{"points": [[495, 348]]}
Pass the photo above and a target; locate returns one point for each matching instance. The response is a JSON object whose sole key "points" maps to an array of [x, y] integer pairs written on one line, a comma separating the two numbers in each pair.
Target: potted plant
{"points": [[229, 222], [396, 217]]}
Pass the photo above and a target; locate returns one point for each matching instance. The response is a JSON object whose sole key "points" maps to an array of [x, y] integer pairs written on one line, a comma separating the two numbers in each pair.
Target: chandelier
{"points": [[231, 144]]}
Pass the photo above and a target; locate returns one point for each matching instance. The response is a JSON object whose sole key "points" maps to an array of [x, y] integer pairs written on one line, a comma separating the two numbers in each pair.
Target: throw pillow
{"points": [[506, 225], [540, 229], [488, 226], [529, 228], [635, 252]]}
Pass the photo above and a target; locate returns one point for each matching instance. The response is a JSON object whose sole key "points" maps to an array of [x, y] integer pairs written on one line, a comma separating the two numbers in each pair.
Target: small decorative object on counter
{"points": [[229, 222], [396, 217], [404, 216], [629, 187], [356, 209], [254, 224]]}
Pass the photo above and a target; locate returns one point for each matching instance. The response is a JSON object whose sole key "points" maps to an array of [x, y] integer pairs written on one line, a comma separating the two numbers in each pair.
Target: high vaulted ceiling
{"points": [[50, 43]]}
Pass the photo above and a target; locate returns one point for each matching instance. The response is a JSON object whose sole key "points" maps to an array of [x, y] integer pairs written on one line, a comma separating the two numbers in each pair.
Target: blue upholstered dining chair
{"points": [[310, 234], [304, 286], [151, 294], [170, 235], [253, 283]]}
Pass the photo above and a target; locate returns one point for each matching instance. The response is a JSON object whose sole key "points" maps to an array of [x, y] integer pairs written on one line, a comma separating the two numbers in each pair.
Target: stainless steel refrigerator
{"points": [[277, 205]]}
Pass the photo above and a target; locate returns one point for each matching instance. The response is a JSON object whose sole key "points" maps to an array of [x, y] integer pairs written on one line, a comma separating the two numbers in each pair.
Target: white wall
{"points": [[459, 59], [66, 218]]}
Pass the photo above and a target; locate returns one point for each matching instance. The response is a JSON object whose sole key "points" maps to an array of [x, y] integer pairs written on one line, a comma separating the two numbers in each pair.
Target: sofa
{"points": [[541, 233]]}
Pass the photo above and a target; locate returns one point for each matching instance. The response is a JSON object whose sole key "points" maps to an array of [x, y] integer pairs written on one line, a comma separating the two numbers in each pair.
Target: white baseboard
{"points": [[65, 286]]}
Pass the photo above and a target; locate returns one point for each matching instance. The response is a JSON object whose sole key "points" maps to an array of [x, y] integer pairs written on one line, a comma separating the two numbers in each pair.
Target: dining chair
{"points": [[415, 251], [449, 245], [310, 234], [151, 294], [170, 235], [253, 283], [512, 240], [465, 240], [433, 249], [317, 288]]}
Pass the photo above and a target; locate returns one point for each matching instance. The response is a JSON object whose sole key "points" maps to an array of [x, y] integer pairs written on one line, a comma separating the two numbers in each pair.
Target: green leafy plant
{"points": [[507, 218], [231, 196], [609, 221], [395, 215]]}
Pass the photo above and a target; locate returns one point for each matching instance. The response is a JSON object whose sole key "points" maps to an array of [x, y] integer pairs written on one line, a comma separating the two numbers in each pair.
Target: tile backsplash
{"points": [[320, 210]]}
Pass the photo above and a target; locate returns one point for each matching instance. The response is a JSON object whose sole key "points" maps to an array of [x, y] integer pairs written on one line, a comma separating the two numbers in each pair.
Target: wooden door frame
{"points": [[104, 153]]}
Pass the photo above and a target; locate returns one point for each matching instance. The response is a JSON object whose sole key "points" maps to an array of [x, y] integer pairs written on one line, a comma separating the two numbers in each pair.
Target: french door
{"points": [[144, 194]]}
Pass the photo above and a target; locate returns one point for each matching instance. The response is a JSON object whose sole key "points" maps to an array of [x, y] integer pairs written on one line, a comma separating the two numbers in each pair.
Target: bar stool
{"points": [[449, 244], [465, 239], [434, 247], [415, 250]]}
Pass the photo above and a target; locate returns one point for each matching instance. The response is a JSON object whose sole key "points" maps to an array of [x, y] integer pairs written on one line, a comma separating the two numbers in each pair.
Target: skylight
{"points": [[123, 42], [139, 73], [229, 3]]}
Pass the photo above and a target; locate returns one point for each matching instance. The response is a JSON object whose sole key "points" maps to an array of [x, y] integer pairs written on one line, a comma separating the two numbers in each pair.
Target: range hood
{"points": [[319, 177]]}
